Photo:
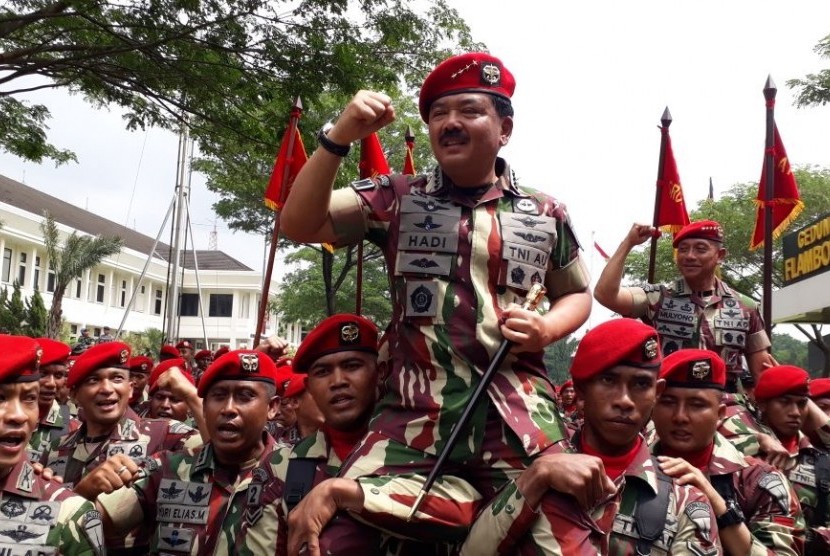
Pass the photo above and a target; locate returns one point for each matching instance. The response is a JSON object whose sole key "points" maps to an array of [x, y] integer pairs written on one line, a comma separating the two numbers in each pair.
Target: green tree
{"points": [[814, 88], [36, 315], [69, 261], [144, 343], [558, 358], [16, 310], [789, 350]]}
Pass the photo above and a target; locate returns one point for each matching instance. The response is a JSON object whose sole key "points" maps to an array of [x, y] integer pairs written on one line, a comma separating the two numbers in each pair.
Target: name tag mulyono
{"points": [[13, 549], [525, 254], [424, 222], [23, 533], [540, 240], [177, 539], [418, 203], [423, 241], [669, 315], [180, 513], [528, 222], [423, 263], [735, 324], [675, 329]]}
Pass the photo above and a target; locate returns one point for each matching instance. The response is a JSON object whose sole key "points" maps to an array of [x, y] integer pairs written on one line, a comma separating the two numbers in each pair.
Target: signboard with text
{"points": [[807, 251]]}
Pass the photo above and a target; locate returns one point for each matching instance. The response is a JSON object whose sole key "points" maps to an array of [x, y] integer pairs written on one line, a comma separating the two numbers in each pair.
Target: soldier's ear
{"points": [[273, 407], [721, 412], [506, 130], [660, 387]]}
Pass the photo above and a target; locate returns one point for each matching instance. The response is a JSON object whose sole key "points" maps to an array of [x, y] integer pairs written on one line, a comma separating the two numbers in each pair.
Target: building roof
{"points": [[36, 202]]}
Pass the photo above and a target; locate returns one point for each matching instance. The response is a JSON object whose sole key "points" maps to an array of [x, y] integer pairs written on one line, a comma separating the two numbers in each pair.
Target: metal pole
{"points": [[173, 288], [652, 256], [196, 272], [769, 172]]}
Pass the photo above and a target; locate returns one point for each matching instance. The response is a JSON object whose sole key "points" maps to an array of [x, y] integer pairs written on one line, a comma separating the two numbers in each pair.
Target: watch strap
{"points": [[332, 147]]}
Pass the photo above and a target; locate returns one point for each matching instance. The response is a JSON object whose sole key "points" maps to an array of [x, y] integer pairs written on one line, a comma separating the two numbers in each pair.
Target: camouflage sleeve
{"points": [[756, 339], [821, 436], [741, 429], [179, 437], [643, 298], [79, 530], [776, 521], [501, 524], [697, 530]]}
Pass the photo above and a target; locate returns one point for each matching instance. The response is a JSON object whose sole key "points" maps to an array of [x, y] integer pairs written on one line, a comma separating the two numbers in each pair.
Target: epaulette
{"points": [[648, 288], [367, 184]]}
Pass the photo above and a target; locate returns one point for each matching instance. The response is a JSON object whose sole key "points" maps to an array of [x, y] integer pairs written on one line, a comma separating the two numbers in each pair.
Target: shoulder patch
{"points": [[384, 181], [363, 185], [93, 529], [701, 515], [772, 483]]}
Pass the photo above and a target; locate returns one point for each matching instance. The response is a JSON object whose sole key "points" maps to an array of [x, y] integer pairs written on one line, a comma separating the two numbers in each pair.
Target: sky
{"points": [[593, 78]]}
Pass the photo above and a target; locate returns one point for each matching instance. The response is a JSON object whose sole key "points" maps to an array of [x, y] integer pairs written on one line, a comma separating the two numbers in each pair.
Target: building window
{"points": [[78, 288], [189, 305], [157, 304], [245, 306], [123, 299], [7, 264], [50, 278], [101, 289], [21, 270], [221, 305], [37, 273]]}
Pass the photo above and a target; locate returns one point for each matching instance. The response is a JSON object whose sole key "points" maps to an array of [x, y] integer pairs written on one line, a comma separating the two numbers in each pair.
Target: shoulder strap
{"points": [[822, 470], [298, 480], [651, 511]]}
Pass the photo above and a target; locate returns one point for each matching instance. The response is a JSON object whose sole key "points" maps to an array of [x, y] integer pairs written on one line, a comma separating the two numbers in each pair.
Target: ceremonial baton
{"points": [[534, 296]]}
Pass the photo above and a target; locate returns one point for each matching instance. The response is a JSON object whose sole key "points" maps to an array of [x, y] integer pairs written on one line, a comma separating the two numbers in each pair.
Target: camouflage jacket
{"points": [[766, 498], [727, 323], [740, 426], [455, 262], [70, 457], [194, 504], [288, 436], [508, 525], [56, 423], [44, 517]]}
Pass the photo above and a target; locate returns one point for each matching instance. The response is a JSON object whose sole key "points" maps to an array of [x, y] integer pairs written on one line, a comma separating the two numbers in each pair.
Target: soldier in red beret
{"points": [[756, 508], [203, 359], [195, 499], [165, 402], [820, 393], [140, 368], [168, 352], [55, 418], [38, 516], [698, 310], [463, 245]]}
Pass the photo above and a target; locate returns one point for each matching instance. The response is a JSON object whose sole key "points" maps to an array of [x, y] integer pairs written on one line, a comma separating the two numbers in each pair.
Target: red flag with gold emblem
{"points": [[290, 159], [372, 160], [409, 158], [786, 201], [672, 214]]}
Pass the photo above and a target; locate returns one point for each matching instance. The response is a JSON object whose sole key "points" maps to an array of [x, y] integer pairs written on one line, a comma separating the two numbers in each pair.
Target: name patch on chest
{"points": [[179, 513], [9, 549]]}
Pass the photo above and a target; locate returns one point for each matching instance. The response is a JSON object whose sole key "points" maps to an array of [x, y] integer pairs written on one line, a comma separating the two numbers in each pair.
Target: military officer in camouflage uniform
{"points": [[757, 510], [699, 310], [615, 371], [55, 419], [195, 499], [140, 368], [165, 403], [463, 244], [297, 400], [37, 516]]}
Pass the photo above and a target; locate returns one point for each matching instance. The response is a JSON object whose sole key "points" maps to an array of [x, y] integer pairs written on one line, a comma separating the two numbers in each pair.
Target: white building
{"points": [[230, 291]]}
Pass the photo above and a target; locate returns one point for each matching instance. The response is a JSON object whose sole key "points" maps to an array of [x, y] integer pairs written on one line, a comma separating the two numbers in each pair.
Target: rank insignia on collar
{"points": [[349, 333], [650, 349], [491, 74], [26, 478], [700, 370]]}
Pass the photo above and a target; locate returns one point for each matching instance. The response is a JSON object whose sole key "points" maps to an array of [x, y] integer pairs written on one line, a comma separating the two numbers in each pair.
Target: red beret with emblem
{"points": [[203, 354], [20, 358], [616, 342], [694, 368], [109, 354], [241, 364], [53, 351], [782, 380], [702, 229], [343, 332], [167, 352], [141, 364], [184, 344], [164, 366], [474, 72], [820, 388], [567, 384], [284, 374], [294, 386], [220, 352]]}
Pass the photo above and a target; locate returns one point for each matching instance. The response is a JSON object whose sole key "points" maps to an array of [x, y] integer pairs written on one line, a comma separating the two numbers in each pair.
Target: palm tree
{"points": [[70, 261]]}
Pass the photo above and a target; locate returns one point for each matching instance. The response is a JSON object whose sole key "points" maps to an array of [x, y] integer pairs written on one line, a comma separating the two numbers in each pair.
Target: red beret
{"points": [[167, 351], [203, 354], [780, 381], [109, 354], [294, 386], [694, 368], [140, 364], [184, 344], [166, 366], [616, 342], [53, 351], [820, 388], [343, 332], [241, 364], [567, 384], [220, 352], [703, 229], [474, 72], [20, 358]]}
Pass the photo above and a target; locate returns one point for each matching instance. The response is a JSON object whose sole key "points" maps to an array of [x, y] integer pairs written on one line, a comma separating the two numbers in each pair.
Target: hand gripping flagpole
{"points": [[534, 296]]}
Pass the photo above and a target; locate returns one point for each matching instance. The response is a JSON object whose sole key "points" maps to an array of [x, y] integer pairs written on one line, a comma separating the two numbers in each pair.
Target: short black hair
{"points": [[504, 108]]}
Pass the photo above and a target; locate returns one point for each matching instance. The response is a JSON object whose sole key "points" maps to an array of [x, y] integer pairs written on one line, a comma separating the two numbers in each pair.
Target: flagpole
{"points": [[769, 161], [652, 257], [294, 118]]}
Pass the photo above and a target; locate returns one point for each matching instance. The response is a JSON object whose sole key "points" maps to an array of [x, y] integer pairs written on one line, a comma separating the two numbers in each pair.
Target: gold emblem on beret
{"points": [[491, 74], [700, 369], [38, 355], [650, 349], [249, 363], [123, 356], [349, 333]]}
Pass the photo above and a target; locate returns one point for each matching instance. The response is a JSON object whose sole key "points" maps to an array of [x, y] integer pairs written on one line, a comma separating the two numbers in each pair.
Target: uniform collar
{"points": [[53, 417], [23, 481], [314, 446], [438, 185], [726, 459], [205, 460], [642, 468], [127, 428]]}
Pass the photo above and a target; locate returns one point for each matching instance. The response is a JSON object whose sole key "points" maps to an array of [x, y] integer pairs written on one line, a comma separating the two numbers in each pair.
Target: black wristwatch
{"points": [[331, 146], [732, 516]]}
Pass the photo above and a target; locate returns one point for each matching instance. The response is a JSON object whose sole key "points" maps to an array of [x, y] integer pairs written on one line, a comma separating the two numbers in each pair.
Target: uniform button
{"points": [[509, 508], [375, 491]]}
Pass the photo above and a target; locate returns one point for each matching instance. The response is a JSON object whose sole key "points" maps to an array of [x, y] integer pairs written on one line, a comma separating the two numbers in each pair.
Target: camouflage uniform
{"points": [[728, 323], [455, 262], [288, 436], [56, 423], [741, 427], [509, 526], [194, 503], [766, 498], [44, 517]]}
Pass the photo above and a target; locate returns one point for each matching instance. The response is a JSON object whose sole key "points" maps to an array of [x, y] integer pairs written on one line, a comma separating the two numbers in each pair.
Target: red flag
{"points": [[409, 159], [786, 201], [372, 160], [671, 215], [602, 252], [286, 168]]}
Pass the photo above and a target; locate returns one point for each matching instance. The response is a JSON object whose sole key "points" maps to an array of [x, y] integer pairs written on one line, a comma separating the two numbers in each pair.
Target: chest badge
{"points": [[526, 205]]}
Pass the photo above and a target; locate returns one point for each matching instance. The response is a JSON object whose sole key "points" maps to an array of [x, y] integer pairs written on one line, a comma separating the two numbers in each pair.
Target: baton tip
{"points": [[416, 505]]}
